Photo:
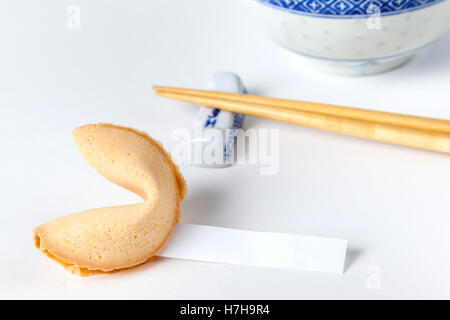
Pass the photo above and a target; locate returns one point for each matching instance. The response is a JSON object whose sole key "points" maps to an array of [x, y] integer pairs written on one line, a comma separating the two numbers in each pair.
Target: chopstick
{"points": [[347, 112], [419, 132]]}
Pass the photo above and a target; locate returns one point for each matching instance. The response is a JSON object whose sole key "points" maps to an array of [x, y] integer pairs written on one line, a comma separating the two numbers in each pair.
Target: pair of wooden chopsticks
{"points": [[413, 131]]}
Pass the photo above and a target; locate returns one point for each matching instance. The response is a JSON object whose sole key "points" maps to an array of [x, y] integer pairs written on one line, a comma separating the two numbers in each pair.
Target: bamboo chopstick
{"points": [[419, 132], [347, 112]]}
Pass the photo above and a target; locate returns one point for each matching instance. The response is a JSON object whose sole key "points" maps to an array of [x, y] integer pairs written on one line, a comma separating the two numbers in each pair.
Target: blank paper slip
{"points": [[254, 248]]}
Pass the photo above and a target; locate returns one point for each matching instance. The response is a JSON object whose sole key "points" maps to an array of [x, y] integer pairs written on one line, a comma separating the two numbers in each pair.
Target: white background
{"points": [[392, 203]]}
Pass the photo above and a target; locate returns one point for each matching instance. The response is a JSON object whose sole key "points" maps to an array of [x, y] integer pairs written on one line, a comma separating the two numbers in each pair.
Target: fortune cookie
{"points": [[114, 238]]}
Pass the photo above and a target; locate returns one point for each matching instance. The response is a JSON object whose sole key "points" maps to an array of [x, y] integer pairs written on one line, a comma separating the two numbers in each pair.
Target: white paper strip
{"points": [[253, 248]]}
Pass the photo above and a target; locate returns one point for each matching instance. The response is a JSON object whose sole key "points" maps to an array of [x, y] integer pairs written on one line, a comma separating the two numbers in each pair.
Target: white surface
{"points": [[249, 248], [392, 203]]}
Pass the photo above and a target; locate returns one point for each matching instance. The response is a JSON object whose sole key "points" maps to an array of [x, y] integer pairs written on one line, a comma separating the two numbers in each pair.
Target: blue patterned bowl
{"points": [[354, 37]]}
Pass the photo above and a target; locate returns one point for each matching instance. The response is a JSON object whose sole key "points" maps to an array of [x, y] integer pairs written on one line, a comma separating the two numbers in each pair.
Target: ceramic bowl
{"points": [[354, 37]]}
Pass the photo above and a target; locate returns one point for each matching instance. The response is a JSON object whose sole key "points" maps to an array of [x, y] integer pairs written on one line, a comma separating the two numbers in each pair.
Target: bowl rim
{"points": [[347, 16]]}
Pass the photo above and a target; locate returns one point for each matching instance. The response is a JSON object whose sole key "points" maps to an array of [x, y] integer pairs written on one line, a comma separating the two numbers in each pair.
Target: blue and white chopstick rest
{"points": [[217, 129]]}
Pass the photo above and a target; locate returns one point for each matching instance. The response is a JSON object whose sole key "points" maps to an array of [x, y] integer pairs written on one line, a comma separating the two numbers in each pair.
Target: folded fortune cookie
{"points": [[109, 239]]}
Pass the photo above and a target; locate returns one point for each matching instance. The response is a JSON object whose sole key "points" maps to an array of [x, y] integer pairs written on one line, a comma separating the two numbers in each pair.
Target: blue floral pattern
{"points": [[349, 7]]}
